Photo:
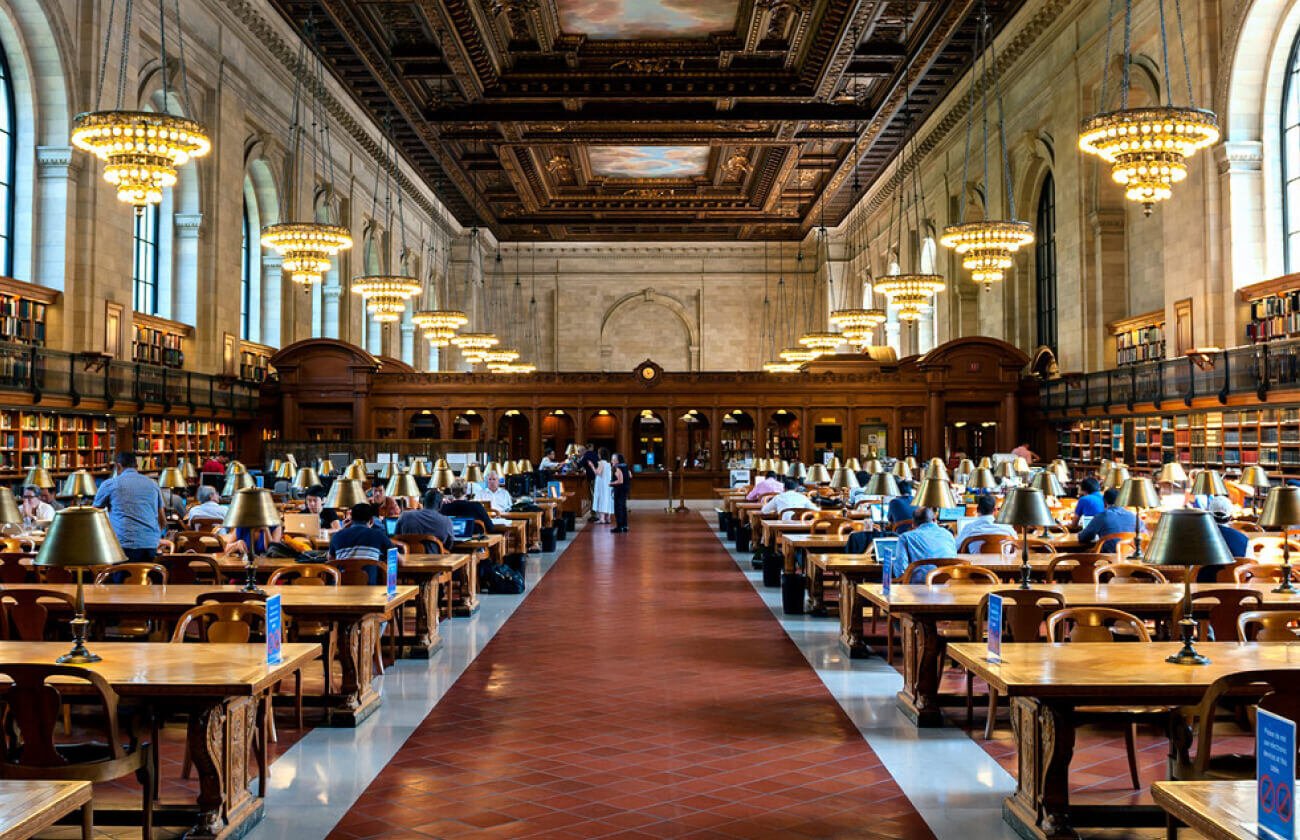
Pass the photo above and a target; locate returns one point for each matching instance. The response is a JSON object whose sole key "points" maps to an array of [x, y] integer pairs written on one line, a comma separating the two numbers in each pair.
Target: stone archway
{"points": [[647, 324]]}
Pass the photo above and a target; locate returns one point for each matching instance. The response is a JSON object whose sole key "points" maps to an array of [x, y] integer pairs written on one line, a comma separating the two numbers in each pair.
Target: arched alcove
{"points": [[648, 325]]}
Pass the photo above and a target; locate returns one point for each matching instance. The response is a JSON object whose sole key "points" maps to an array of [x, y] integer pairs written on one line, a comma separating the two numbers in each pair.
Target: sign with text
{"points": [[885, 548], [995, 628], [555, 489], [1275, 775], [274, 630], [392, 573]]}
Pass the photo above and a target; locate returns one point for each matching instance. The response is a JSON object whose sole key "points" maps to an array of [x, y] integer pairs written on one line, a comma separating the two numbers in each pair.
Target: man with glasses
{"points": [[34, 508]]}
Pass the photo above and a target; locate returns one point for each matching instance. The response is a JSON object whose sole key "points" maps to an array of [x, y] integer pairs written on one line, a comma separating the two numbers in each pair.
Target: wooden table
{"points": [[920, 608], [493, 544], [792, 544], [218, 687], [29, 807], [532, 521], [356, 612], [1214, 810], [1047, 682]]}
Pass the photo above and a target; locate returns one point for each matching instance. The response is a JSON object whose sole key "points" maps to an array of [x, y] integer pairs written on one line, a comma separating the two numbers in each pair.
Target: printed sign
{"points": [[885, 548], [555, 489], [274, 630], [1275, 775], [995, 628], [392, 573]]}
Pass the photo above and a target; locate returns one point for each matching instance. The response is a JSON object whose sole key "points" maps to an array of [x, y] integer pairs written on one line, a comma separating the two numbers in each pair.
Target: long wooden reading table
{"points": [[28, 807], [1214, 810]]}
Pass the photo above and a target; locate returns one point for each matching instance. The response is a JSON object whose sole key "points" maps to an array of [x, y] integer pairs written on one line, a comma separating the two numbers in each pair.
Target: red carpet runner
{"points": [[645, 691]]}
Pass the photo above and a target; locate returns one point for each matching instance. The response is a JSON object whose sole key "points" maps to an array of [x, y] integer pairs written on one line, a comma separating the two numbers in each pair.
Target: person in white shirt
{"points": [[548, 461], [35, 509], [788, 500], [208, 506], [496, 495], [983, 523]]}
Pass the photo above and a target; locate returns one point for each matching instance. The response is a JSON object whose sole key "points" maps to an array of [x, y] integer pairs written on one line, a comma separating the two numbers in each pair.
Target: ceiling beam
{"points": [[642, 112]]}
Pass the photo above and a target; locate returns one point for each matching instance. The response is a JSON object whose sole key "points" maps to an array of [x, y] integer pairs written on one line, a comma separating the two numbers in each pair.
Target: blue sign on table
{"points": [[1275, 775], [995, 628], [274, 630], [884, 549], [555, 489], [392, 573]]}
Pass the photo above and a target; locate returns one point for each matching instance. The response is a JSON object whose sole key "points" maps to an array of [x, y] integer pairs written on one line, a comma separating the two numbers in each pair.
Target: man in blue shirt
{"points": [[924, 541], [361, 539], [1112, 520], [900, 507], [1090, 501], [1221, 509], [135, 509]]}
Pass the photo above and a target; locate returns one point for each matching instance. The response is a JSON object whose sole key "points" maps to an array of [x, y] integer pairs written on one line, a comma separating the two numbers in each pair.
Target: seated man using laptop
{"points": [[428, 520]]}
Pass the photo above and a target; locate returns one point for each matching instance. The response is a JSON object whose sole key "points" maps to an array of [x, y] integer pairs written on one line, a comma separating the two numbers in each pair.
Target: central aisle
{"points": [[643, 690]]}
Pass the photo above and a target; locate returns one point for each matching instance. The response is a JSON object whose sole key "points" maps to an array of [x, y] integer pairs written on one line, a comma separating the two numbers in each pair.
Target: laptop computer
{"points": [[462, 528], [1083, 521], [884, 549], [951, 514], [307, 524]]}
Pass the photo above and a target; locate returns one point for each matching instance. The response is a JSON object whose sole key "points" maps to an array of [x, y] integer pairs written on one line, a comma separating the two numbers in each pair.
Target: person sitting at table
{"points": [[47, 496], [208, 507], [361, 540], [1090, 500], [1221, 509], [787, 500], [496, 495], [314, 502], [1112, 520], [925, 540], [548, 461], [983, 523], [176, 503], [769, 483], [459, 506], [33, 508], [385, 506], [428, 520], [900, 507]]}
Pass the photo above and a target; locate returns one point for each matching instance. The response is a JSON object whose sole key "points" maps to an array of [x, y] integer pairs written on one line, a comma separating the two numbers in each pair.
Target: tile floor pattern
{"points": [[642, 691]]}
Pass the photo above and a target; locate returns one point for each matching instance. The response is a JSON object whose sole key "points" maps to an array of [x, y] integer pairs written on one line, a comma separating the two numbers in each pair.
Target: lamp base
{"points": [[1286, 588], [79, 655], [1188, 656]]}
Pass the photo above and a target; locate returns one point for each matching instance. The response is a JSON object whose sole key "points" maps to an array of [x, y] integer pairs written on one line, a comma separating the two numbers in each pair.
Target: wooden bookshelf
{"points": [[23, 311], [158, 341], [58, 442], [160, 441], [1274, 309], [1139, 339], [255, 361]]}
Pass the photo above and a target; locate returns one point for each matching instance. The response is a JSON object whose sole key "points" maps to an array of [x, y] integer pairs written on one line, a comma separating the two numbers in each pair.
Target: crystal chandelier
{"points": [[473, 345], [440, 325], [500, 356], [858, 325], [1148, 148], [141, 150], [781, 367], [513, 368], [798, 355], [306, 248], [820, 342], [386, 294], [911, 293]]}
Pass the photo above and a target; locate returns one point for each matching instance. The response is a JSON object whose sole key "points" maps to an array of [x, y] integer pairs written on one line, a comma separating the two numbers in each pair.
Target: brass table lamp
{"points": [[235, 467], [1138, 493], [934, 493], [853, 465], [1025, 508], [39, 477], [344, 493], [252, 508], [1048, 484], [508, 468], [1006, 471], [1256, 478], [286, 471], [799, 471], [403, 486], [911, 462], [524, 466], [492, 467], [420, 468], [834, 464], [80, 485], [442, 479], [355, 472], [936, 469], [1173, 473], [882, 484], [844, 480], [275, 465], [388, 470], [305, 479], [1060, 469], [902, 470], [325, 467], [1187, 537], [965, 467], [188, 471], [1209, 483], [170, 479], [1021, 465], [473, 474], [1115, 478], [986, 463], [982, 479], [80, 538], [236, 482], [817, 475], [9, 512], [873, 466], [1282, 510]]}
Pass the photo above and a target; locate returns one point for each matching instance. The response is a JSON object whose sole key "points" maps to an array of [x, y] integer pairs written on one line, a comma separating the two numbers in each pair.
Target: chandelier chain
{"points": [[103, 55], [180, 53], [1128, 53], [1002, 129], [1105, 68], [126, 54], [1164, 54], [1187, 66]]}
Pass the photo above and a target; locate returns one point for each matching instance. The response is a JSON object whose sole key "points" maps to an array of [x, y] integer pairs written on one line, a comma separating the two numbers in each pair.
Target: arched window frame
{"points": [[1289, 139], [247, 253], [1046, 286], [8, 163], [145, 260]]}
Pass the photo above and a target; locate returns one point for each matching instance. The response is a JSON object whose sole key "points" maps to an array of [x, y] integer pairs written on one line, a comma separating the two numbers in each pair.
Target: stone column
{"points": [[184, 288], [54, 226], [1245, 245], [374, 335], [408, 342], [264, 321], [330, 294], [1106, 295]]}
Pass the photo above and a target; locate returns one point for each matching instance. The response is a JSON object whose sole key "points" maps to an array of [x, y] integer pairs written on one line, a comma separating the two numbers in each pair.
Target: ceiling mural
{"points": [[659, 19], [647, 119], [637, 162]]}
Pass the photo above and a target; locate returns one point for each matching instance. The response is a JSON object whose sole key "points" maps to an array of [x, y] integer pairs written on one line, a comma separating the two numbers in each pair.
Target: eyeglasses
{"points": [[27, 498]]}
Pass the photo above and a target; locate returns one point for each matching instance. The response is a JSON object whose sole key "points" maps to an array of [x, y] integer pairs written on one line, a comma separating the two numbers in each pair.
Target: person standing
{"points": [[621, 482], [135, 509], [588, 461], [602, 496]]}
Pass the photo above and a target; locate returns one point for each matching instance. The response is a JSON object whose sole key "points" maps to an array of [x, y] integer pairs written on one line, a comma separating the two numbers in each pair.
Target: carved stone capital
{"points": [[188, 225], [1239, 156], [55, 162]]}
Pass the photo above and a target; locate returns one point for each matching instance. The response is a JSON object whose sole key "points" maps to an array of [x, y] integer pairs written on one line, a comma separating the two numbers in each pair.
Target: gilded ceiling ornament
{"points": [[649, 65], [648, 193], [560, 166], [736, 166], [497, 7]]}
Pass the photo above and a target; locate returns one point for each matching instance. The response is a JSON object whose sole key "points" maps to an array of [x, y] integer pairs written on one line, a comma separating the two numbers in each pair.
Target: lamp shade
{"points": [[761, 465], [1047, 484], [782, 468], [1138, 493], [275, 465], [965, 467], [1187, 537], [1256, 476], [852, 464], [982, 479], [286, 471], [936, 469], [902, 470], [388, 470], [473, 473], [442, 479], [492, 467], [1025, 507], [873, 466], [1060, 469], [1281, 508], [911, 462], [1006, 469], [1021, 465], [188, 470], [524, 466], [843, 479], [986, 463], [934, 493], [420, 469], [834, 465], [80, 536], [39, 477], [325, 467], [252, 507], [9, 513], [305, 479], [1115, 478], [817, 475], [882, 484], [235, 467], [1173, 473], [402, 485], [1209, 483], [799, 472], [236, 482], [508, 468], [441, 464], [355, 472], [344, 493], [169, 479]]}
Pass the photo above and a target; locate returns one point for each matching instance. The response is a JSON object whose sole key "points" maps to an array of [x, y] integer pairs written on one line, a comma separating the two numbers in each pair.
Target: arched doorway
{"points": [[557, 432], [468, 425], [692, 441], [602, 429], [783, 435], [512, 434], [736, 438], [424, 426], [648, 433]]}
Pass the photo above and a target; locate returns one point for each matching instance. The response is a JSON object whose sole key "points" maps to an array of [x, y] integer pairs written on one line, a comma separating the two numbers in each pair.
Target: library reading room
{"points": [[649, 419]]}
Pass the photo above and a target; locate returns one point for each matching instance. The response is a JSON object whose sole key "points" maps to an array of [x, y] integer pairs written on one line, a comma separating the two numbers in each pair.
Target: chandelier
{"points": [[1147, 148], [821, 343], [513, 368], [858, 326], [987, 248], [911, 293], [499, 357], [798, 355], [473, 345], [141, 150], [440, 325], [386, 295], [781, 367], [305, 248]]}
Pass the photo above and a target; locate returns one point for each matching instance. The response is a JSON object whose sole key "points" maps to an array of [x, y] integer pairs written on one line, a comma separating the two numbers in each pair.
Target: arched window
{"points": [[8, 140], [144, 262], [246, 255], [1291, 158], [1045, 263]]}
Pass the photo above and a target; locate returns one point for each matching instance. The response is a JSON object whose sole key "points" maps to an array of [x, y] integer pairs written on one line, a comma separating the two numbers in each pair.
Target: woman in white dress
{"points": [[602, 500]]}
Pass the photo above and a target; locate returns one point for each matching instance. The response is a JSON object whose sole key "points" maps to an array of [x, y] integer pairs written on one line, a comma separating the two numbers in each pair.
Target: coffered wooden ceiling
{"points": [[646, 119]]}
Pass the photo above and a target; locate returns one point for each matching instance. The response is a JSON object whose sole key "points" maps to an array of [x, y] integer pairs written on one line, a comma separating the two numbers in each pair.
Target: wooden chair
{"points": [[1100, 624], [904, 526], [132, 574], [1041, 546], [850, 527], [827, 525], [1121, 573], [1261, 573], [190, 569], [204, 524], [1216, 611], [311, 574], [31, 703], [963, 574], [419, 543], [1245, 526], [1075, 568], [1269, 548], [986, 544], [801, 514], [305, 574], [1269, 626], [1123, 546], [1023, 614], [26, 612], [197, 542], [1226, 574], [12, 569], [1278, 691]]}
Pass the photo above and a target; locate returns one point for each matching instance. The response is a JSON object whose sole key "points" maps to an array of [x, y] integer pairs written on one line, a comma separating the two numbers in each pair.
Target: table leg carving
{"points": [[1045, 745], [922, 649], [467, 604], [427, 637], [356, 647], [206, 737], [851, 607], [816, 589]]}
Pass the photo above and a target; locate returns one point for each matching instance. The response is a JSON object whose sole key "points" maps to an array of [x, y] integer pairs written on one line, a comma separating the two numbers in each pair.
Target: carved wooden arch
{"points": [[649, 295]]}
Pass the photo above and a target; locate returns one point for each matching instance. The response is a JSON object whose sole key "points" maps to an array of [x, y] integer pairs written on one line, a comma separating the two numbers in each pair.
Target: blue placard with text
{"points": [[392, 573], [555, 489], [274, 630], [1275, 775], [884, 549], [995, 628]]}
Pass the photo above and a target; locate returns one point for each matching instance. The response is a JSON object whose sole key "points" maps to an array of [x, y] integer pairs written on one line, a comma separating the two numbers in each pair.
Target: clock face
{"points": [[648, 373]]}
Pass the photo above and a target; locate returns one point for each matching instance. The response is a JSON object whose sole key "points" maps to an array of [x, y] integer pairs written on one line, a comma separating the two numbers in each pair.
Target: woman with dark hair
{"points": [[620, 482], [602, 497]]}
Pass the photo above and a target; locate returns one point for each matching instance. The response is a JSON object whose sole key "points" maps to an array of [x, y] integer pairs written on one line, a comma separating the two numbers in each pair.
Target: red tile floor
{"points": [[643, 690]]}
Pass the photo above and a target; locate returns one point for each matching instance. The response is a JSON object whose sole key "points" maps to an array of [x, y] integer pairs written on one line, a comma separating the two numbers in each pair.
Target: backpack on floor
{"points": [[500, 579]]}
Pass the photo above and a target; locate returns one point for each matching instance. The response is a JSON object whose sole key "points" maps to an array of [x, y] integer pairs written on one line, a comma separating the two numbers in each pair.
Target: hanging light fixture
{"points": [[473, 344], [1148, 148], [781, 367], [307, 248], [386, 295], [820, 342], [141, 150], [439, 326], [987, 247], [856, 322]]}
